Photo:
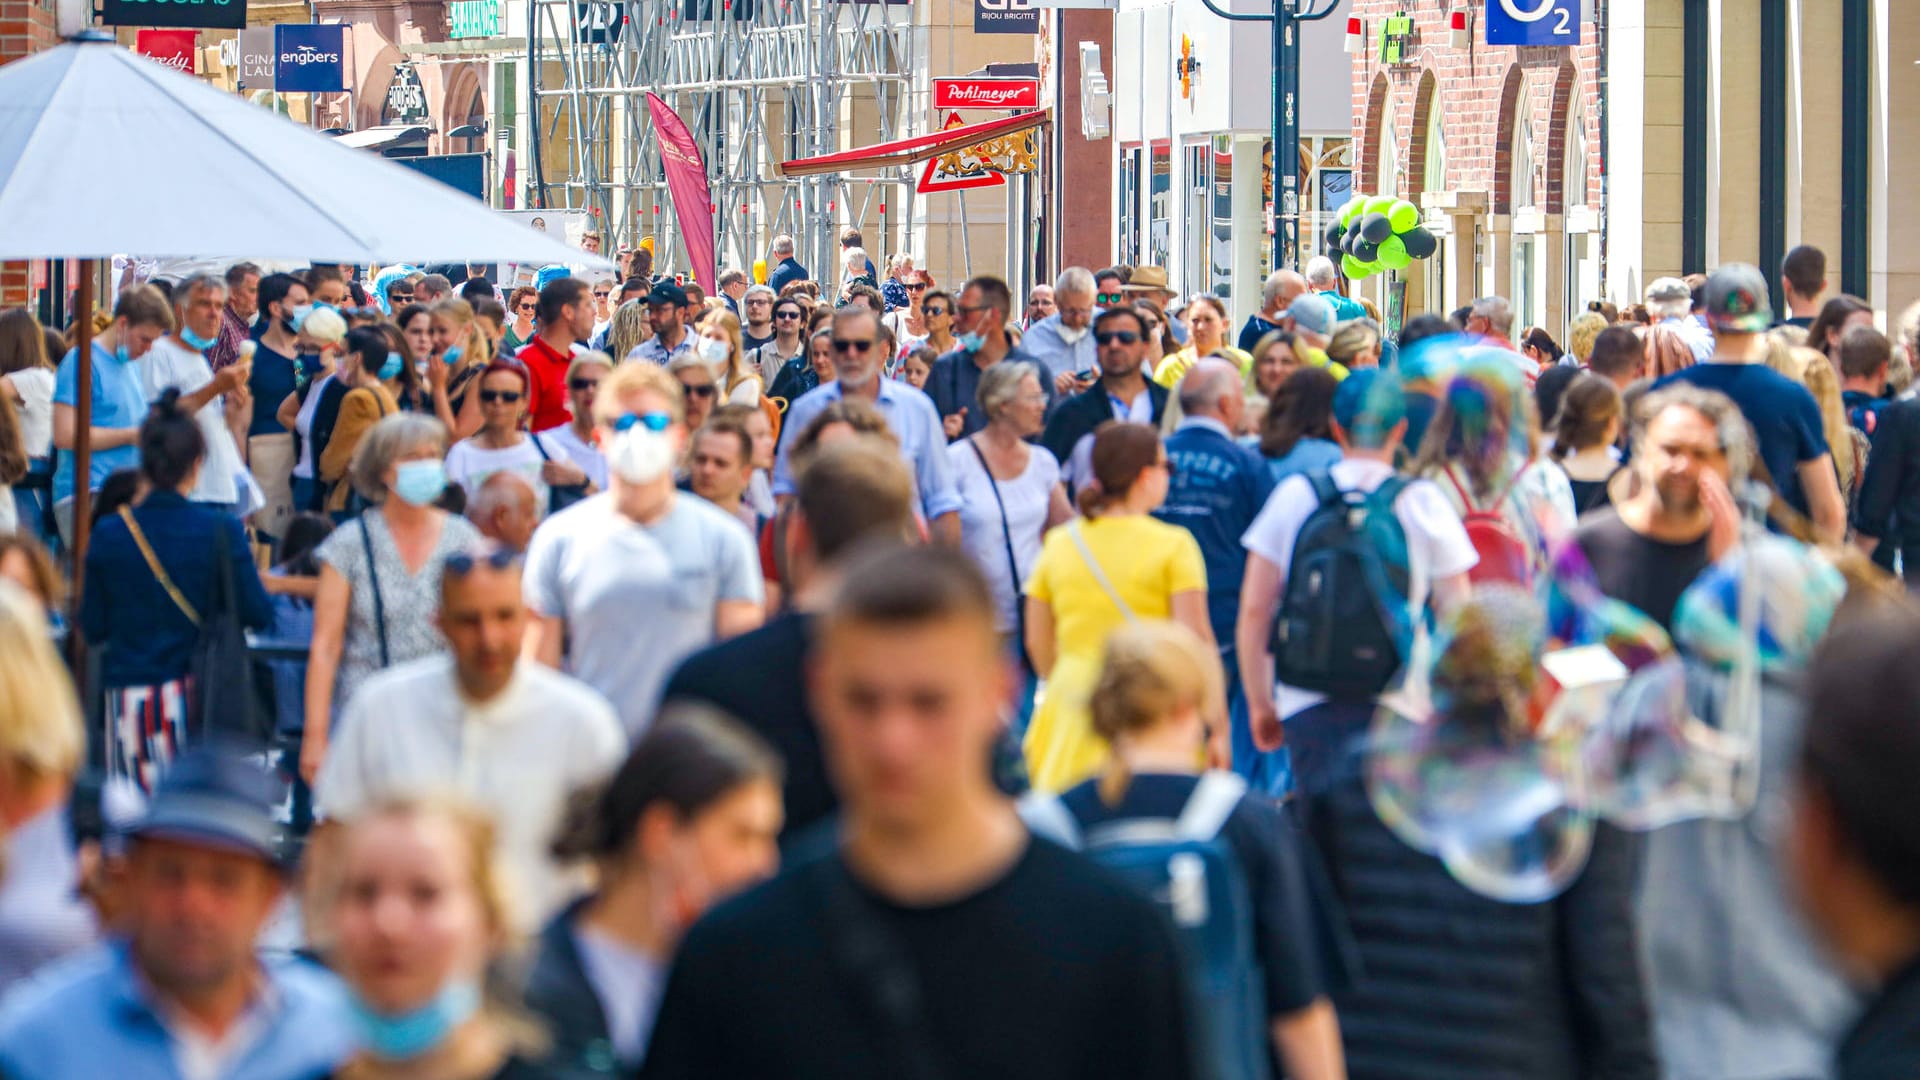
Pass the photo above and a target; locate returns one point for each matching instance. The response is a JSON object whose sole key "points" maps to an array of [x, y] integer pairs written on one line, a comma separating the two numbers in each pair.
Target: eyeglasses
{"points": [[583, 385], [934, 311], [917, 286], [652, 421], [1109, 299], [854, 348], [699, 390], [462, 564], [1124, 337], [496, 397]]}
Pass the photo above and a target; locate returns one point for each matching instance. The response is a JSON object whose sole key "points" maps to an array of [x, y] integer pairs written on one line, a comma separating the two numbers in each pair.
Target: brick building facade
{"points": [[1499, 145], [26, 27]]}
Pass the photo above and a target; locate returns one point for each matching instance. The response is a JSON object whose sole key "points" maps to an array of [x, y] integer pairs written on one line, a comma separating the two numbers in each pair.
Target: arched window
{"points": [[1574, 169], [1389, 170], [1525, 153], [1434, 174]]}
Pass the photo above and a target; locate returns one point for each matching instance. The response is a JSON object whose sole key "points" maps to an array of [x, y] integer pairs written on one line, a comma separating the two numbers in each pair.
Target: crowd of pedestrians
{"points": [[846, 676]]}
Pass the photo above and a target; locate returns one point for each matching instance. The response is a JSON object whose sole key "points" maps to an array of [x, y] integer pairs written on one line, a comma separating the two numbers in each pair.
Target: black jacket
{"points": [[1454, 985], [1885, 1043], [1080, 414], [559, 993]]}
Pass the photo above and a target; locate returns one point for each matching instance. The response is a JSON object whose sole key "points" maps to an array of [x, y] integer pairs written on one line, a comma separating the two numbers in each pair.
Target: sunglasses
{"points": [[935, 311], [529, 306], [583, 385], [495, 397], [1109, 299], [401, 297], [1124, 337], [856, 348], [786, 315], [918, 286], [652, 421], [699, 390], [598, 295], [462, 564]]}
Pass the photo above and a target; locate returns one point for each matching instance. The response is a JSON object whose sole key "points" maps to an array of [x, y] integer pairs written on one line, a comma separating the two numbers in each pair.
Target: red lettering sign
{"points": [[173, 48], [1009, 94]]}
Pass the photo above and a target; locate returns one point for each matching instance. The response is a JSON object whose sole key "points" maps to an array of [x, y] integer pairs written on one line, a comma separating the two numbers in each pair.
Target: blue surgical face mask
{"points": [[195, 341], [411, 1034], [391, 369], [973, 341], [120, 353], [299, 316], [453, 355], [420, 482]]}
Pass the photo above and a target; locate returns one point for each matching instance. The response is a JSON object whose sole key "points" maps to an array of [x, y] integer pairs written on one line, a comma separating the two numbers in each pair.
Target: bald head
{"points": [[505, 509], [1213, 388]]}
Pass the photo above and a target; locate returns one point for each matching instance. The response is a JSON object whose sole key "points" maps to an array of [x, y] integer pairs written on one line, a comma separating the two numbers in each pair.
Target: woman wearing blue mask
{"points": [[380, 574], [417, 921]]}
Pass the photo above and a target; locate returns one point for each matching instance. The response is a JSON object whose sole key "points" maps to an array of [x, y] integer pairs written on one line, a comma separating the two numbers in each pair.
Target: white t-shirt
{"points": [[35, 387], [223, 475], [638, 599], [583, 453], [1027, 499], [303, 425], [1437, 545], [469, 464], [518, 757]]}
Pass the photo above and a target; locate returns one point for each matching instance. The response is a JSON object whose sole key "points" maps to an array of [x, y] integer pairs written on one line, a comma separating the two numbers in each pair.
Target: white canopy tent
{"points": [[103, 151]]}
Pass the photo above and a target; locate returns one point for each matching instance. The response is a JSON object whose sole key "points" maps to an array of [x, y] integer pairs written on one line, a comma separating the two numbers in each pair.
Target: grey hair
{"points": [[1670, 309], [760, 290], [782, 245], [1000, 384], [1074, 281], [1320, 272], [1498, 313], [1206, 384], [1277, 281], [383, 444], [239, 272], [1736, 437], [854, 254], [497, 492], [192, 283]]}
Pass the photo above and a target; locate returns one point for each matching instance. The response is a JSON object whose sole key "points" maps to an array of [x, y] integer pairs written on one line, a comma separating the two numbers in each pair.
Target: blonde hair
{"points": [[1153, 669], [41, 735], [628, 330], [589, 359], [1817, 373], [1782, 356], [737, 370], [1581, 333], [476, 348], [628, 379]]}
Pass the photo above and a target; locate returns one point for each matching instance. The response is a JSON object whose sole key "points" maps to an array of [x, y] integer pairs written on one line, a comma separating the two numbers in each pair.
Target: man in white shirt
{"points": [[1670, 302], [514, 738], [219, 402], [1369, 422]]}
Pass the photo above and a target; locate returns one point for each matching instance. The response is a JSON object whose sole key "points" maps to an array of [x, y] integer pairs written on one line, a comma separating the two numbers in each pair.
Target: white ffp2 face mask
{"points": [[641, 456], [1072, 334]]}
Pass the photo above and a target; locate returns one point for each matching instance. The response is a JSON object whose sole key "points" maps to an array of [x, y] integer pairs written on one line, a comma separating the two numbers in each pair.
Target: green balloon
{"points": [[1352, 209], [1393, 254], [1404, 215], [1353, 267], [1380, 204]]}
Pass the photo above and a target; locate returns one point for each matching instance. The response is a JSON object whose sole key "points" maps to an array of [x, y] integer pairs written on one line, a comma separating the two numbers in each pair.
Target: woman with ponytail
{"points": [[151, 576], [1116, 566], [1158, 687], [1584, 434], [688, 821]]}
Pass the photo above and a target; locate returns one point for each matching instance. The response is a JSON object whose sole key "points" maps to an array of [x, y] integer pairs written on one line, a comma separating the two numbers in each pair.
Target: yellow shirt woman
{"points": [[1148, 562]]}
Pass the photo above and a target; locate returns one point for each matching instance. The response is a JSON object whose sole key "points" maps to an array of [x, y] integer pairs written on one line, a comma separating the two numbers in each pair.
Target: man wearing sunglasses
{"points": [[789, 320], [911, 414], [1123, 393], [980, 319], [514, 737], [666, 313]]}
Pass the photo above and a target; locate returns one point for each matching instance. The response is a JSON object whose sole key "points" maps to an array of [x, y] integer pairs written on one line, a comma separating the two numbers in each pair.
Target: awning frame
{"points": [[918, 148]]}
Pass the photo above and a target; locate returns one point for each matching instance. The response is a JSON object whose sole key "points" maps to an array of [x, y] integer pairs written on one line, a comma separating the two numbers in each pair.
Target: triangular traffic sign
{"points": [[934, 178]]}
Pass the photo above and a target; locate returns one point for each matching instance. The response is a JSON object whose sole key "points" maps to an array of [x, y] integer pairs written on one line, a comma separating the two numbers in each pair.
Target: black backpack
{"points": [[1343, 628]]}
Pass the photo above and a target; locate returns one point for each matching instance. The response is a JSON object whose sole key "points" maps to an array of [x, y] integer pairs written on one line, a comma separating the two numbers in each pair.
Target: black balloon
{"points": [[1352, 235], [1366, 251], [1420, 243], [1375, 227]]}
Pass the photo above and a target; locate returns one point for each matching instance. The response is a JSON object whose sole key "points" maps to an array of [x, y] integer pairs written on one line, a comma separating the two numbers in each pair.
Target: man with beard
{"points": [[1646, 549], [1123, 393]]}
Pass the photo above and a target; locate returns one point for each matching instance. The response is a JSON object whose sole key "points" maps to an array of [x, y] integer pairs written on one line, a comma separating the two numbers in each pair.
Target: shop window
{"points": [[1221, 264], [1128, 250], [1434, 171], [1160, 207], [1520, 191], [1389, 168], [1196, 219]]}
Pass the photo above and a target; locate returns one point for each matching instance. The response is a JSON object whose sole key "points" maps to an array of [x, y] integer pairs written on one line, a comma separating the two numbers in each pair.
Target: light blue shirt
{"points": [[119, 401], [915, 422], [1697, 337], [1044, 343], [94, 1017]]}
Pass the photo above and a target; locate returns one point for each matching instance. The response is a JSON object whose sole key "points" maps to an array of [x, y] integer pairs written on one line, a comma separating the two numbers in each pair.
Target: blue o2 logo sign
{"points": [[1533, 22]]}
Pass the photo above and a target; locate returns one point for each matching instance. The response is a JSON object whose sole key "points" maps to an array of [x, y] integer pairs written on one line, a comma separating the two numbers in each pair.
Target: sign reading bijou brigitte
{"points": [[219, 14], [310, 58]]}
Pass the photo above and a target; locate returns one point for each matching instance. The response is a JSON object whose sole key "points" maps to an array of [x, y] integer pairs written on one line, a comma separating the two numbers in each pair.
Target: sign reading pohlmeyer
{"points": [[310, 58], [474, 18], [1533, 22], [213, 14], [1005, 17], [257, 58], [986, 93]]}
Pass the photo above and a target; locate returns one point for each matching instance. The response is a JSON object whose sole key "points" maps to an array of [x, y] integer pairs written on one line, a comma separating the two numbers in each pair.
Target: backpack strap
{"points": [[1211, 803], [1324, 489], [1045, 815]]}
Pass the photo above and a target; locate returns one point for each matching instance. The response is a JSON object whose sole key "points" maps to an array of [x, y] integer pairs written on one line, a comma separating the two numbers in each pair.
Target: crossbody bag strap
{"points": [[1006, 537], [379, 607], [159, 572], [1099, 575]]}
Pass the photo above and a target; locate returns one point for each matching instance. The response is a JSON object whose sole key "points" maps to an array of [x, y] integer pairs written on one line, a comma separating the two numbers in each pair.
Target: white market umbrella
{"points": [[103, 151]]}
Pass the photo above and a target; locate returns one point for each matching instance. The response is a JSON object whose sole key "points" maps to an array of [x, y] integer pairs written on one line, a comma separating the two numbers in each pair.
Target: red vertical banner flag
{"points": [[687, 183]]}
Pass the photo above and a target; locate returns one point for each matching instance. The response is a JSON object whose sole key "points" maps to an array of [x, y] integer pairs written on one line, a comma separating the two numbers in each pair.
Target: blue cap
{"points": [[1368, 404], [217, 796]]}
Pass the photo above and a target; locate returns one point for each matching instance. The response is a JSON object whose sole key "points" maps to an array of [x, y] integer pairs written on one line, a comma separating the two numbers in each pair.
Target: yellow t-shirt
{"points": [[1172, 369]]}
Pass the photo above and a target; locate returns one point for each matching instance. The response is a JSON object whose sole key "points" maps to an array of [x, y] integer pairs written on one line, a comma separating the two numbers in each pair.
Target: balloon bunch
{"points": [[1377, 233]]}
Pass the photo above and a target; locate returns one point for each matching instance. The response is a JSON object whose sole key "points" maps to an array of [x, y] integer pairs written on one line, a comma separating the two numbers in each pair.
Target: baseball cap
{"points": [[1736, 300], [217, 796], [1667, 290], [1312, 313], [666, 292], [1368, 404]]}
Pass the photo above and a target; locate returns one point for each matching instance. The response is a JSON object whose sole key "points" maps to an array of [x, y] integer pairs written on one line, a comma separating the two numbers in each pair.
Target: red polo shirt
{"points": [[550, 407]]}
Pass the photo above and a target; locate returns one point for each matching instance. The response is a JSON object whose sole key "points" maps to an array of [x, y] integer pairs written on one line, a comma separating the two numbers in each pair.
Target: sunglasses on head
{"points": [[858, 348], [495, 397], [1124, 337], [462, 564], [583, 384], [652, 421]]}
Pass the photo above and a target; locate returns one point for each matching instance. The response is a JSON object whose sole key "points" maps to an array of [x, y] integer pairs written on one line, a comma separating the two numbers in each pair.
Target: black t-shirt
{"points": [[1888, 508], [1639, 570], [750, 341], [760, 679], [1590, 495], [273, 377], [1055, 971], [1292, 915]]}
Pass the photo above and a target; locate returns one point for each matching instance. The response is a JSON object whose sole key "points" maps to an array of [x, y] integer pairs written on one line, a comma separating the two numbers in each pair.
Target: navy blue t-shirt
{"points": [[1255, 329], [1218, 489], [272, 379], [1783, 414], [1295, 928]]}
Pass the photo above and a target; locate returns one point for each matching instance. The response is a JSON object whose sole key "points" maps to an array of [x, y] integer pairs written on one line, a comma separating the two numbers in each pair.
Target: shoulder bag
{"points": [[223, 700], [379, 607], [1013, 564], [559, 496]]}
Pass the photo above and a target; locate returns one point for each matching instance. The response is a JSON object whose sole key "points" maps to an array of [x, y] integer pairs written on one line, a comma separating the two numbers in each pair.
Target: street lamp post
{"points": [[1286, 118]]}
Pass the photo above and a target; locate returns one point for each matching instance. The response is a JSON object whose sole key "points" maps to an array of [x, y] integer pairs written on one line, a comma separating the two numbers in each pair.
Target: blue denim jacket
{"points": [[93, 1016]]}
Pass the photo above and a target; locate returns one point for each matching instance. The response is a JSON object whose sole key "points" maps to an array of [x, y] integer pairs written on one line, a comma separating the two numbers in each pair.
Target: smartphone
{"points": [[1084, 376]]}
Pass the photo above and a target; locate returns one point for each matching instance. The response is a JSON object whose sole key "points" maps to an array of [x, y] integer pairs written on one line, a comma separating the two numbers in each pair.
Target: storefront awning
{"points": [[385, 136], [916, 149]]}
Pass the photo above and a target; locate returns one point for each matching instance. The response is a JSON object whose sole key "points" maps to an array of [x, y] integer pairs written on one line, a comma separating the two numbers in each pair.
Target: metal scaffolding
{"points": [[756, 82]]}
